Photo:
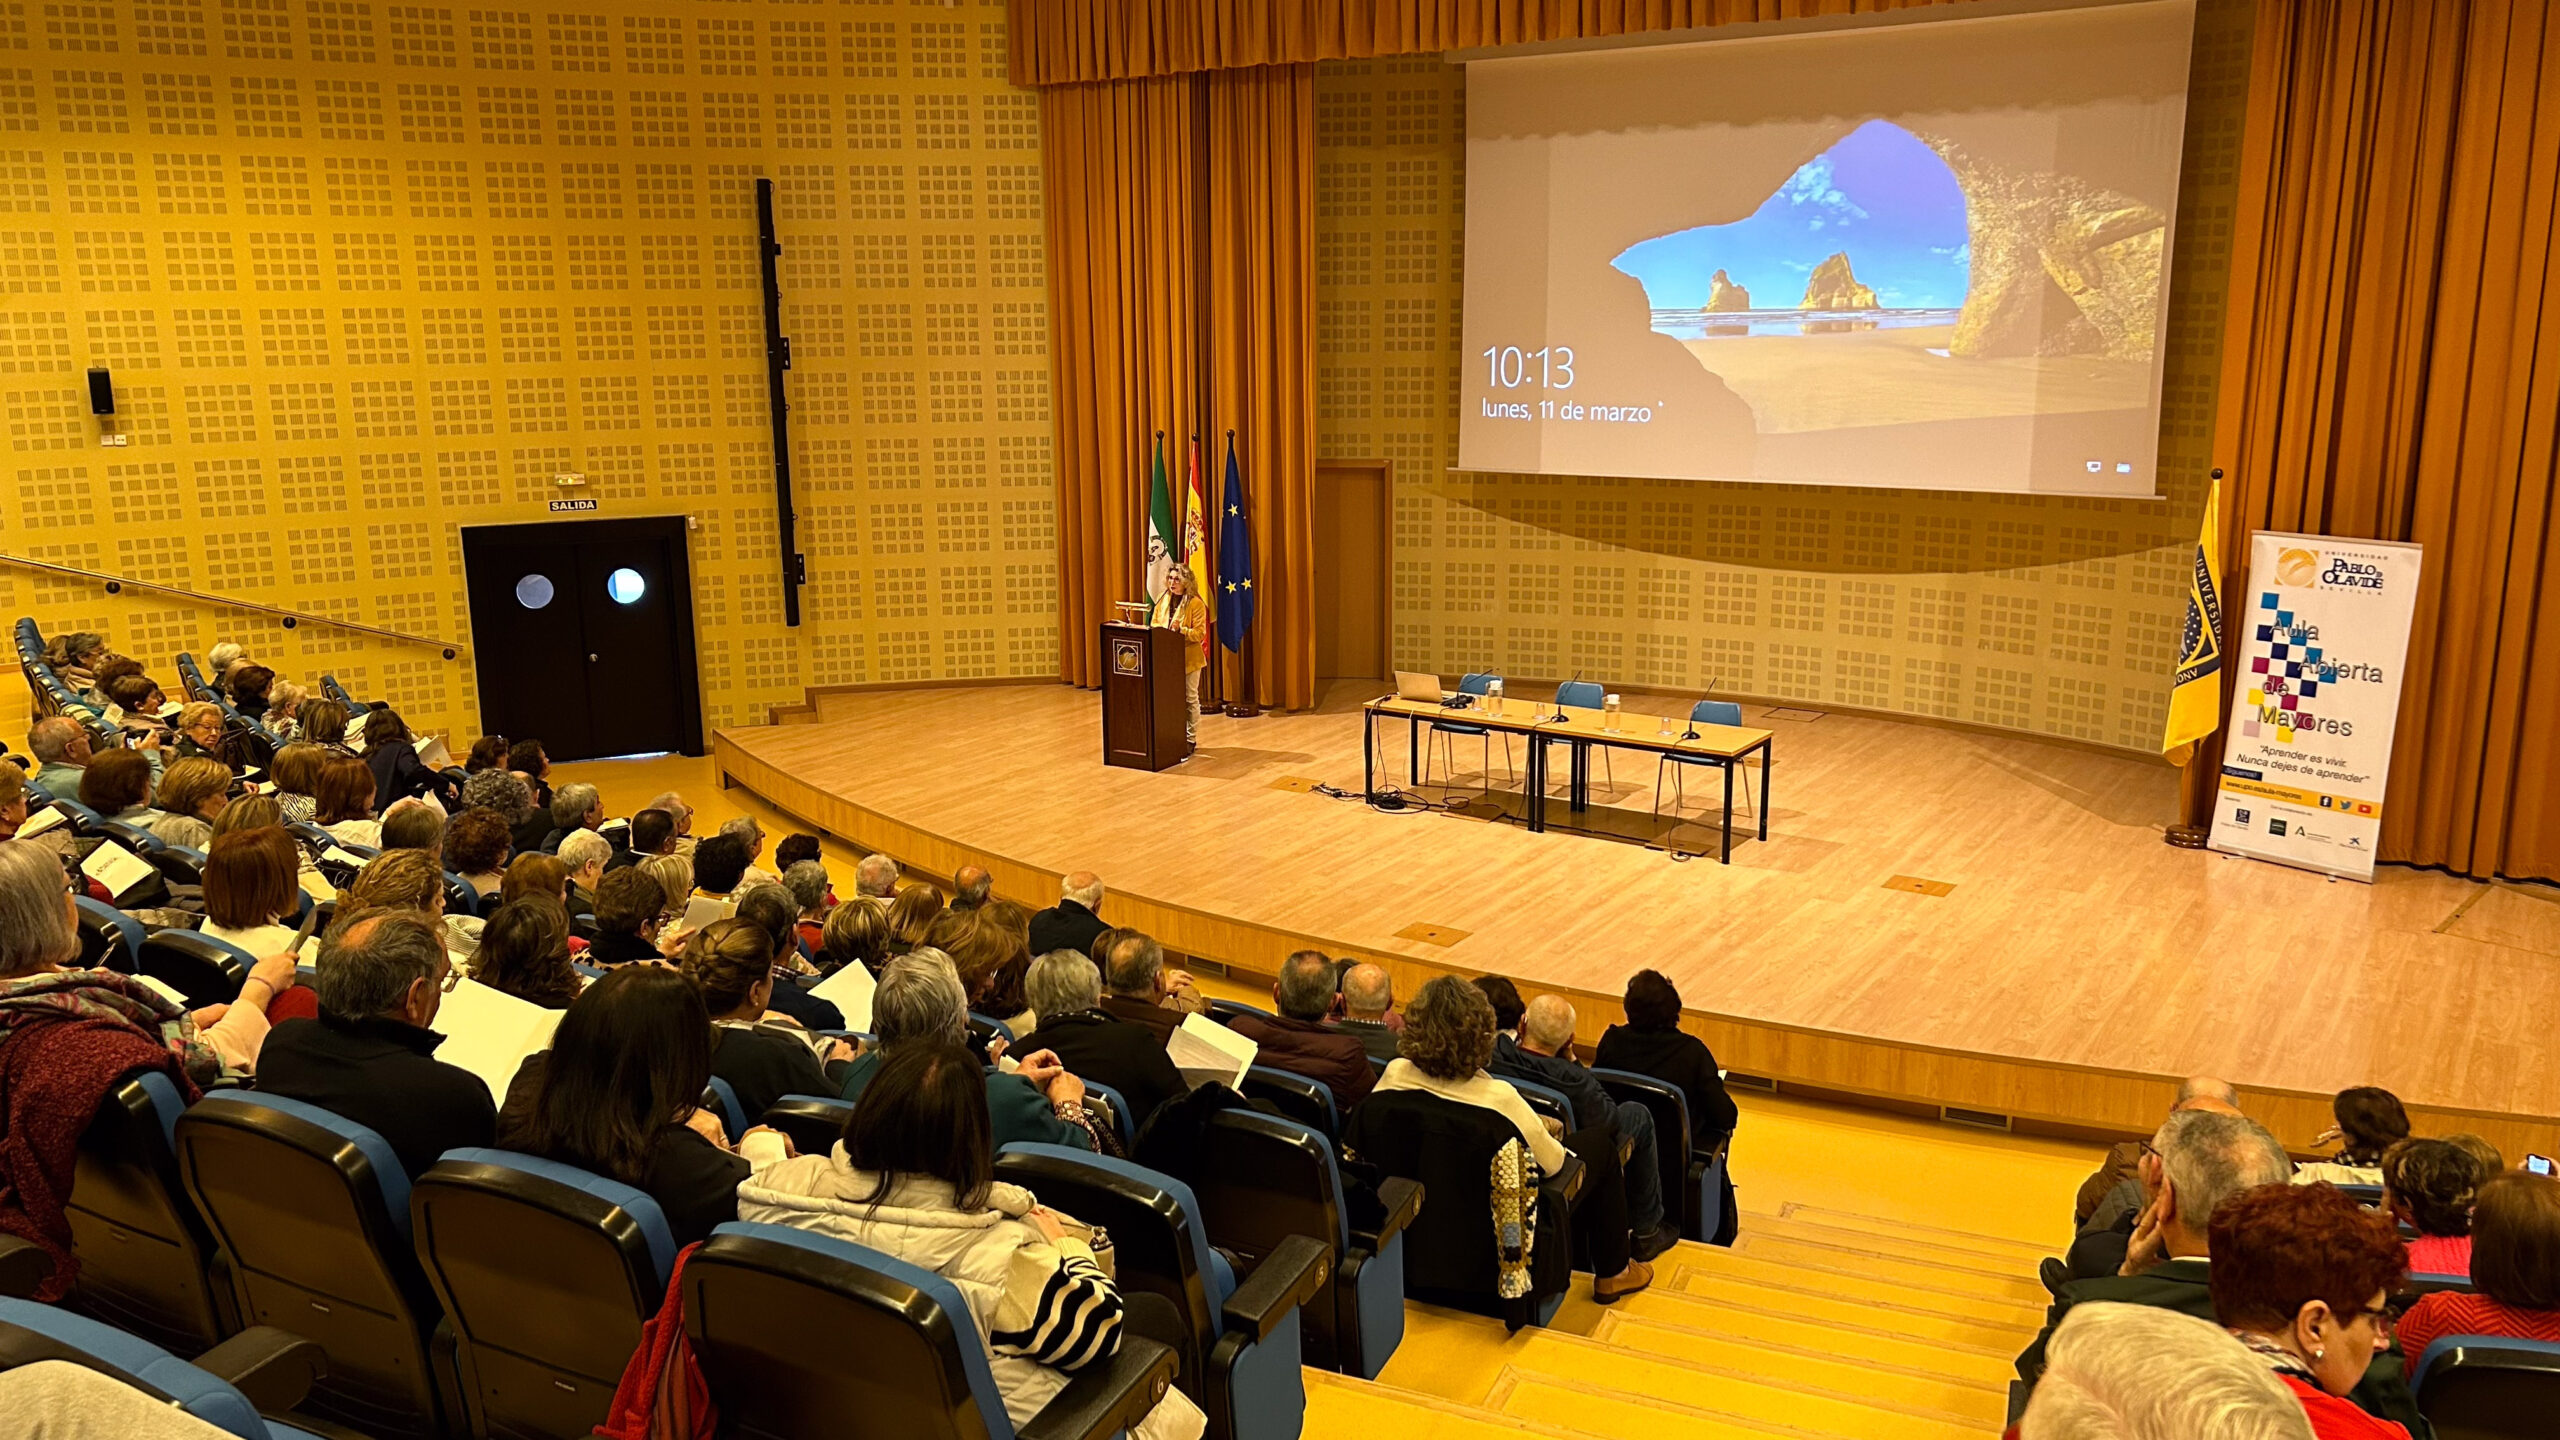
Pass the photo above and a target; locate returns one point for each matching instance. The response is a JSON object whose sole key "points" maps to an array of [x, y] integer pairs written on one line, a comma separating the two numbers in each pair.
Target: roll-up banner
{"points": [[2315, 692]]}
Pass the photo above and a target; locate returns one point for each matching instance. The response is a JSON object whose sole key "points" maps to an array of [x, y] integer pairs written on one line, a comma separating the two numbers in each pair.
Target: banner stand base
{"points": [[1238, 709], [2187, 837]]}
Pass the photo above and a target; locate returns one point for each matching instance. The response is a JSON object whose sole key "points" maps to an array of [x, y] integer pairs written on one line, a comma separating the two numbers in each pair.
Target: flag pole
{"points": [[1242, 707], [1210, 675]]}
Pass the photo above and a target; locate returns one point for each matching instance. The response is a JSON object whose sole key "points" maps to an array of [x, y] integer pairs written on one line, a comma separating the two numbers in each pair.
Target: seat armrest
{"points": [[1287, 1278], [1401, 1199], [1107, 1398], [1567, 1182], [274, 1368], [24, 1265]]}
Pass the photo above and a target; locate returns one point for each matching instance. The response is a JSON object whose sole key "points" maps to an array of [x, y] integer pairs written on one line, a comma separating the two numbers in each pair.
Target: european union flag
{"points": [[1235, 557]]}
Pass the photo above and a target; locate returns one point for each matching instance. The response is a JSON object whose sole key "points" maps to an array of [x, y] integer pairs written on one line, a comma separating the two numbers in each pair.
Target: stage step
{"points": [[1691, 1293], [1829, 1217], [1826, 1361], [1676, 1324], [1581, 1384], [1777, 1266]]}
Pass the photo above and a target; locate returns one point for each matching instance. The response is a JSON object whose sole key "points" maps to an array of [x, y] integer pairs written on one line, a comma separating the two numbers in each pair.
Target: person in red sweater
{"points": [[2427, 1185], [2515, 1270], [2303, 1275]]}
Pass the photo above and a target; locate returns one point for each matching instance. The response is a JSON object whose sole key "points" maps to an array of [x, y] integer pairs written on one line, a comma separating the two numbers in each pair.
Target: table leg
{"points": [[1726, 858], [1537, 784], [1413, 751], [1369, 754], [1581, 777], [1764, 790]]}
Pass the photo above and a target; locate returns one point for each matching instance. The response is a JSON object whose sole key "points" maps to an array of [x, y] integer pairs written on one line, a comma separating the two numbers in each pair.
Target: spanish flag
{"points": [[2195, 692], [1195, 537]]}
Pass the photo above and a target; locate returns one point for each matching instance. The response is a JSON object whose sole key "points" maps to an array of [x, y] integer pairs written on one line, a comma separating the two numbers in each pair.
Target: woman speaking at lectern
{"points": [[1179, 609]]}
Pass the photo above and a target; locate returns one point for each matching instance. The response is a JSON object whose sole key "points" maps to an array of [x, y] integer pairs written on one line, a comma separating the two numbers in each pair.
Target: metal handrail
{"points": [[291, 618]]}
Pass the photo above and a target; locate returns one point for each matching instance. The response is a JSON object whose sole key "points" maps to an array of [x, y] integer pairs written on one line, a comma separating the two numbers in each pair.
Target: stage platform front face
{"points": [[2074, 969]]}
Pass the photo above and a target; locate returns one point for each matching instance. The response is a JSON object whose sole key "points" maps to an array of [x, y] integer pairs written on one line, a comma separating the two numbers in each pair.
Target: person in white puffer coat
{"points": [[913, 1178]]}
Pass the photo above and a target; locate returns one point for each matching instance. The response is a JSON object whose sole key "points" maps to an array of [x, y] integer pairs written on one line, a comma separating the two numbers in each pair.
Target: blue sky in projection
{"points": [[1878, 195]]}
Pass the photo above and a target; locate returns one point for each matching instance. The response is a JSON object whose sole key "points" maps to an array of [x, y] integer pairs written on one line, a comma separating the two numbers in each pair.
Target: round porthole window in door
{"points": [[625, 586], [533, 591]]}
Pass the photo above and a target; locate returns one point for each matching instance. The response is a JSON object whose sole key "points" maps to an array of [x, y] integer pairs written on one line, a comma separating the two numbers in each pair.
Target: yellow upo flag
{"points": [[2195, 693]]}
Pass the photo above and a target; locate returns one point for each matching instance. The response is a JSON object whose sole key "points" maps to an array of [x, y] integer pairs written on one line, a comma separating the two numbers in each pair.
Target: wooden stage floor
{"points": [[2077, 966]]}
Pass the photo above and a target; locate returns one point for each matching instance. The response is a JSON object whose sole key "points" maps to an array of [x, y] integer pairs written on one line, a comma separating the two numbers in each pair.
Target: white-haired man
{"points": [[1072, 923]]}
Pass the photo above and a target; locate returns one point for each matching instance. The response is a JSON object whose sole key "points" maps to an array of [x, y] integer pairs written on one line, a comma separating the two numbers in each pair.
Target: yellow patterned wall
{"points": [[367, 273], [2052, 615]]}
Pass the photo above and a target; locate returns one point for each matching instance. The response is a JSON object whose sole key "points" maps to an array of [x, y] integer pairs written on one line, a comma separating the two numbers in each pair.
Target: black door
{"points": [[582, 634]]}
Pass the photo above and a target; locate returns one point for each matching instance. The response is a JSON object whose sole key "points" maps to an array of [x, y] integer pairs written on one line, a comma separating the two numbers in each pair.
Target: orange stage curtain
{"points": [[1262, 362], [1120, 191], [1060, 41], [2393, 372]]}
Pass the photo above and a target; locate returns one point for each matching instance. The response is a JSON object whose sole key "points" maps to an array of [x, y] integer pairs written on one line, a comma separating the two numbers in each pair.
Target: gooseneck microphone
{"points": [[1560, 717], [1693, 710]]}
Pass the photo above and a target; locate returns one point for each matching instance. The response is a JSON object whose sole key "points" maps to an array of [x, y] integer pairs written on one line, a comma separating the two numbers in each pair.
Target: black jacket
{"points": [[398, 774], [612, 949], [1119, 1053], [525, 836], [1374, 1037], [763, 1063], [1065, 926], [382, 1074], [1590, 1099], [694, 1181], [1678, 1058], [1452, 1250]]}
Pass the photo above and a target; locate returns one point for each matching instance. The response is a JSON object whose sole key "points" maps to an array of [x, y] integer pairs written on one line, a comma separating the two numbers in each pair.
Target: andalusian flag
{"points": [[2195, 694], [1195, 539], [1162, 543]]}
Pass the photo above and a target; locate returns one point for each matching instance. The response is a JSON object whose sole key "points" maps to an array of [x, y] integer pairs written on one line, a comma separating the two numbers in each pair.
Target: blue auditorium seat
{"points": [[272, 1367], [109, 938], [1225, 1011], [546, 1273], [313, 1211], [1300, 1097], [204, 970], [1262, 1178], [1694, 1181], [797, 1331], [147, 1262], [191, 676], [1123, 1124], [2488, 1387], [131, 836], [1546, 1100], [1453, 1247], [722, 1097], [330, 687], [1240, 1343], [814, 1122]]}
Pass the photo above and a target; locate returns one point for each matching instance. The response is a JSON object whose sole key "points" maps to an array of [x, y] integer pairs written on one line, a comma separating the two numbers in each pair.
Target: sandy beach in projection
{"points": [[1888, 377]]}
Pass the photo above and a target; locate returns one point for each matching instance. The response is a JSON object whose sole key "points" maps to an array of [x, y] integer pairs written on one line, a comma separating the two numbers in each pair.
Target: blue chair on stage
{"points": [[1582, 695], [1705, 712], [1442, 732]]}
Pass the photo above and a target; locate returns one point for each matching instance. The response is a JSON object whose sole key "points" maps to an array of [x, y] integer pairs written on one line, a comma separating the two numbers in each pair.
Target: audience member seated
{"points": [[60, 746], [343, 804], [252, 881], [1065, 991], [413, 825], [731, 963], [400, 880], [1075, 922], [527, 759], [370, 1055], [504, 794], [296, 774], [1298, 1040], [323, 722], [627, 906], [914, 1179], [619, 1093], [284, 707], [251, 687], [2114, 1189], [651, 832], [720, 868], [118, 786], [1447, 1042], [191, 793], [476, 848], [199, 733], [1651, 1042], [489, 752], [247, 812], [1534, 1042], [673, 804], [797, 846], [2428, 1186], [875, 877], [2370, 1121], [574, 807], [807, 882], [221, 660], [2484, 1156], [13, 801], [856, 933], [524, 952], [919, 1005], [535, 875], [911, 915], [75, 657], [2197, 1160], [993, 960], [1143, 990], [1368, 999], [135, 701], [970, 887], [674, 874], [583, 853], [2131, 1372], [391, 752], [2515, 1269], [2303, 1275]]}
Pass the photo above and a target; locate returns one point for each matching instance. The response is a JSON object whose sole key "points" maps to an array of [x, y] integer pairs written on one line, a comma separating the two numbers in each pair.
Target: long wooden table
{"points": [[1581, 729]]}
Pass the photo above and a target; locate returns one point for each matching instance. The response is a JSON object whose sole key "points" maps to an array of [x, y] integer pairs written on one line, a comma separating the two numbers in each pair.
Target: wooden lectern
{"points": [[1143, 706]]}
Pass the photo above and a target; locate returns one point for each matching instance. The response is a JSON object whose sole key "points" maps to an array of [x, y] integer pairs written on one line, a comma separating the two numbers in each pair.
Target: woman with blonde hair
{"points": [[192, 792], [911, 915], [297, 776]]}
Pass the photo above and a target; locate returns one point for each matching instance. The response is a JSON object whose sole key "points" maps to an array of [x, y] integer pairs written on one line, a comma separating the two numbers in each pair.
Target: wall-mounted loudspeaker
{"points": [[102, 392]]}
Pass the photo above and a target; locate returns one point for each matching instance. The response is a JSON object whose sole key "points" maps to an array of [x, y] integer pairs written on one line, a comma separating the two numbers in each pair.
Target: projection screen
{"points": [[1930, 255]]}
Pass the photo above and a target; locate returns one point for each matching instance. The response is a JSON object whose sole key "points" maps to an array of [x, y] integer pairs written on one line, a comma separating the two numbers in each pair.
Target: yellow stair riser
{"points": [[1793, 1366], [1833, 1259], [1761, 1269], [1338, 1406], [1729, 1389], [2005, 1245], [1874, 1341], [1996, 1257], [1724, 1414], [1693, 1292]]}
